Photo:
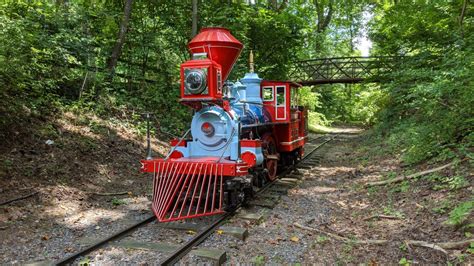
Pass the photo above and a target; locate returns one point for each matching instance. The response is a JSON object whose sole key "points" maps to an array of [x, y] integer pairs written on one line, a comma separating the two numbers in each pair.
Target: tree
{"points": [[194, 28], [117, 50], [324, 14]]}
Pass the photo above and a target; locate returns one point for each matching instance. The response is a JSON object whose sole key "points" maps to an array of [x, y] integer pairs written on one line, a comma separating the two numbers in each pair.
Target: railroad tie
{"points": [[216, 255]]}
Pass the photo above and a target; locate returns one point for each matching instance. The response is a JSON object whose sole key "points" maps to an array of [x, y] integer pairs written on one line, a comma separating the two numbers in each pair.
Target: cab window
{"points": [[267, 93], [294, 97], [280, 95]]}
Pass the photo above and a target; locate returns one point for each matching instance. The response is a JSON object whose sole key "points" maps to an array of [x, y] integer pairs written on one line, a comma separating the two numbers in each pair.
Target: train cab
{"points": [[280, 100]]}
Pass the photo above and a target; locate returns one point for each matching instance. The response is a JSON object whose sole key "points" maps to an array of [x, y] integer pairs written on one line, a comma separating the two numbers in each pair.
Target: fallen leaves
{"points": [[295, 239], [275, 241]]}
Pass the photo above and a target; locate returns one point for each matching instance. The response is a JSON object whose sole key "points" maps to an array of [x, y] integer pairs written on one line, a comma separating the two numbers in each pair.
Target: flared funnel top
{"points": [[220, 46]]}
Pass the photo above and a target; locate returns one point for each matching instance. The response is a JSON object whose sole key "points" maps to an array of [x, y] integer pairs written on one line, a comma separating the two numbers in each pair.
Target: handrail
{"points": [[177, 144], [341, 69]]}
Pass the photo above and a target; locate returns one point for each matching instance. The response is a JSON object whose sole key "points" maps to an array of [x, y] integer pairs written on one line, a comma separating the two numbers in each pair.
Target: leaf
{"points": [[295, 239], [404, 262], [191, 232], [220, 232], [272, 241], [85, 262]]}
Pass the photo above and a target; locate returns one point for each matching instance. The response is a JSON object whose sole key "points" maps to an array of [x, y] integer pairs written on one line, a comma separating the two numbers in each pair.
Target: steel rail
{"points": [[196, 240], [103, 242], [287, 171], [183, 250], [199, 238]]}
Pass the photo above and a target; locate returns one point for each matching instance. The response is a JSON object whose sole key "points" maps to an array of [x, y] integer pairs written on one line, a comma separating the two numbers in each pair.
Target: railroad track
{"points": [[205, 232]]}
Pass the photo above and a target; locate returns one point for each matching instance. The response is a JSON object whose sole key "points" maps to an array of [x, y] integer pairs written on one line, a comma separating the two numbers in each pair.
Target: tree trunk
{"points": [[323, 19], [112, 62], [194, 28], [461, 17], [273, 5]]}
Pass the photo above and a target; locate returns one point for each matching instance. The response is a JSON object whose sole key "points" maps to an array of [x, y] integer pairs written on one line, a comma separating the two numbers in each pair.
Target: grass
{"points": [[460, 213], [118, 202], [259, 260], [319, 128]]}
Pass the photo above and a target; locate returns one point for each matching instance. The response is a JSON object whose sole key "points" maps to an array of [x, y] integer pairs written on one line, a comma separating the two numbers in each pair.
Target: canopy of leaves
{"points": [[429, 99], [54, 54]]}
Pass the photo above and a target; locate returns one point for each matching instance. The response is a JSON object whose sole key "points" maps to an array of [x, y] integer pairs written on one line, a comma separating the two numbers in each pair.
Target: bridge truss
{"points": [[342, 69]]}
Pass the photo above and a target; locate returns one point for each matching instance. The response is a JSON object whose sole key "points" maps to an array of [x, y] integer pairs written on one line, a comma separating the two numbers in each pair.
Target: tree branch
{"points": [[402, 178], [436, 246], [19, 198]]}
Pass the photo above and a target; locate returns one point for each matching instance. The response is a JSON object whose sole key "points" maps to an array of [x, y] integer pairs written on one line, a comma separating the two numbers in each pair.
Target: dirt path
{"points": [[332, 199], [69, 162], [411, 210]]}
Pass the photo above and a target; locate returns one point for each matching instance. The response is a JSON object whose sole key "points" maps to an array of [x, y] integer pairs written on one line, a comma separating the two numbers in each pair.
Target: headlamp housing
{"points": [[208, 129], [195, 81], [201, 81]]}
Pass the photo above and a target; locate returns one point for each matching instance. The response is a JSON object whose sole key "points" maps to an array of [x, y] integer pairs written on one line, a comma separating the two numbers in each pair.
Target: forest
{"points": [[76, 69]]}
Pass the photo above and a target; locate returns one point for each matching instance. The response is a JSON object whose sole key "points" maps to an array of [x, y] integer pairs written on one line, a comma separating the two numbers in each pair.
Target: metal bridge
{"points": [[342, 69]]}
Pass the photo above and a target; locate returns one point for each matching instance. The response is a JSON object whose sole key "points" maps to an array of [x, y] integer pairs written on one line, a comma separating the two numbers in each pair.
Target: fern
{"points": [[459, 214]]}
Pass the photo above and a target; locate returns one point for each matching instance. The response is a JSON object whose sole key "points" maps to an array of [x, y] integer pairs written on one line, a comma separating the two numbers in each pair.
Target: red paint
{"points": [[249, 158], [220, 46], [214, 93], [291, 147], [252, 143], [294, 126], [207, 128], [176, 155], [177, 183], [174, 142], [226, 106], [230, 168], [189, 187]]}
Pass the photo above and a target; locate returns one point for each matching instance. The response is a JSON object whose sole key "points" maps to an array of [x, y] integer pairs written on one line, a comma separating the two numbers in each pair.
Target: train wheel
{"points": [[272, 166], [271, 157]]}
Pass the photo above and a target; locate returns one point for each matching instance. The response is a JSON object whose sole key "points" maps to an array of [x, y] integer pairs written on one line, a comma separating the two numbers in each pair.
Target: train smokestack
{"points": [[220, 46]]}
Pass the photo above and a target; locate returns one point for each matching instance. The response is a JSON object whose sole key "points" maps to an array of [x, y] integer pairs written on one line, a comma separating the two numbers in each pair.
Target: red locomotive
{"points": [[241, 133]]}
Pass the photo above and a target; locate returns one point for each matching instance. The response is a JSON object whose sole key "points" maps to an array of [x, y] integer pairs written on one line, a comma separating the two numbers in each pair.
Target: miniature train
{"points": [[240, 133]]}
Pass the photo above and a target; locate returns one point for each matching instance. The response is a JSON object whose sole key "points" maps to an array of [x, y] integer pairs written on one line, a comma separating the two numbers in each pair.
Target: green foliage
{"points": [[308, 98], [443, 206], [53, 55], [403, 247], [85, 261], [404, 262], [402, 187], [372, 191], [389, 210], [448, 182], [470, 249], [355, 103], [460, 214], [322, 240], [259, 260], [118, 202], [391, 175], [452, 183], [427, 105]]}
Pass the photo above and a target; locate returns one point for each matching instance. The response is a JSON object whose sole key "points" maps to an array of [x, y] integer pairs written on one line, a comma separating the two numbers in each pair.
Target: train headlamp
{"points": [[208, 129], [195, 80]]}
